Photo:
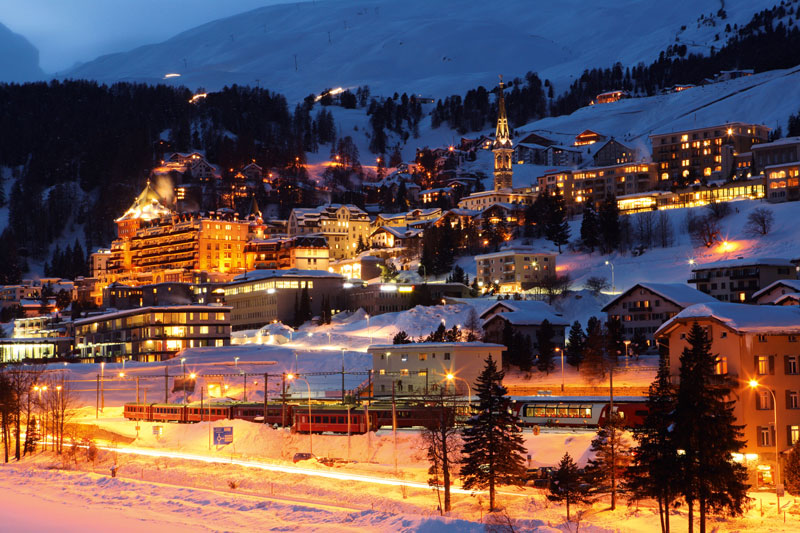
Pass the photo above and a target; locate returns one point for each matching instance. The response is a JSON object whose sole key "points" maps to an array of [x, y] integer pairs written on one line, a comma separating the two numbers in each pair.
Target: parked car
{"points": [[302, 456]]}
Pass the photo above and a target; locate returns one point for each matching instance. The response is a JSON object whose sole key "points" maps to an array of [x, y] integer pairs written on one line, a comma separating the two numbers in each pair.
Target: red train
{"points": [[324, 419]]}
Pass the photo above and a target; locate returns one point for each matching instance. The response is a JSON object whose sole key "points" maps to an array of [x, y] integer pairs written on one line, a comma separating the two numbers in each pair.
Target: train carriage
{"points": [[167, 412], [334, 420], [277, 413], [578, 411], [207, 413]]}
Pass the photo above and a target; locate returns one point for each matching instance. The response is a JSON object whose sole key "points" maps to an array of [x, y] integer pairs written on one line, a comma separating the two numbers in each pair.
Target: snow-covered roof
{"points": [[435, 345], [744, 262], [788, 296], [287, 273], [793, 284], [680, 294], [398, 232], [525, 313], [779, 142], [151, 309], [743, 318], [516, 250]]}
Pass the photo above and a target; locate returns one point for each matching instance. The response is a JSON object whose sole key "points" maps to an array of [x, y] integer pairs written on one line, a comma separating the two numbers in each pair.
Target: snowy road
{"points": [[73, 502]]}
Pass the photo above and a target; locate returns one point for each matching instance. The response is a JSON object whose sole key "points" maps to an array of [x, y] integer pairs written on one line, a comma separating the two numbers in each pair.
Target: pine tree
{"points": [[614, 345], [556, 227], [654, 470], [594, 363], [589, 228], [546, 347], [610, 231], [575, 342], [612, 456], [493, 446], [704, 427], [567, 484]]}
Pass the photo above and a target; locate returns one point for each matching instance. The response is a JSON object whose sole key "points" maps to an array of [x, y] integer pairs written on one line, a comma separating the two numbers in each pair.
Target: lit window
{"points": [[762, 364], [721, 368]]}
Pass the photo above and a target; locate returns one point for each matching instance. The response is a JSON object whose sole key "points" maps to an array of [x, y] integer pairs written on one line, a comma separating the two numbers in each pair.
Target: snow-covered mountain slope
{"points": [[19, 59], [767, 98], [419, 47]]}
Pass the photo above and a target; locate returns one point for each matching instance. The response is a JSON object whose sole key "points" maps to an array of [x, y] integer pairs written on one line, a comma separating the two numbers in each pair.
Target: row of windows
{"points": [[421, 356], [765, 435]]}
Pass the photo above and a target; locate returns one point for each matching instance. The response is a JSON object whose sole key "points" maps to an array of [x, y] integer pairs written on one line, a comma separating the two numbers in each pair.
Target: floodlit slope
{"points": [[415, 46]]}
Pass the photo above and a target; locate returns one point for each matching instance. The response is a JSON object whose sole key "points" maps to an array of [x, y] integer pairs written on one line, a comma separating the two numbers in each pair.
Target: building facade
{"points": [[422, 367], [704, 152], [152, 333], [342, 225], [737, 280], [751, 343], [306, 252], [515, 269]]}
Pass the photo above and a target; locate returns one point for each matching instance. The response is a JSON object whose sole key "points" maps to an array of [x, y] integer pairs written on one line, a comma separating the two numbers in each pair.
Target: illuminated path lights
{"points": [[285, 469]]}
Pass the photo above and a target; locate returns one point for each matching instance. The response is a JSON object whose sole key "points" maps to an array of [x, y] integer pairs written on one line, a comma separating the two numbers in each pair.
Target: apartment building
{"points": [[643, 308], [525, 317], [514, 269], [598, 183], [783, 182], [152, 333], [779, 152], [684, 156], [751, 343], [259, 297], [479, 201], [378, 298], [306, 252], [736, 280], [422, 367], [342, 225]]}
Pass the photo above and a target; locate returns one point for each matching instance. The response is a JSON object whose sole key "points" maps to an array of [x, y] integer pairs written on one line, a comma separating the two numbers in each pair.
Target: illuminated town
{"points": [[553, 287]]}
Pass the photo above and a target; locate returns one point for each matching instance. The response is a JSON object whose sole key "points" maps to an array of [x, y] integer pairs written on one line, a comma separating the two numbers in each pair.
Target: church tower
{"points": [[502, 148]]}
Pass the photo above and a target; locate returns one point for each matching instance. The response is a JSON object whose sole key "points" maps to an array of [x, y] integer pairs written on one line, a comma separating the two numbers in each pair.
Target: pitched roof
{"points": [[749, 261], [793, 284], [743, 318], [680, 294], [525, 313]]}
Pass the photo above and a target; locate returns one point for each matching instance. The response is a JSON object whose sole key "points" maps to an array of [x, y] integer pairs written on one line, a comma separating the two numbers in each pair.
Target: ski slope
{"points": [[418, 47]]}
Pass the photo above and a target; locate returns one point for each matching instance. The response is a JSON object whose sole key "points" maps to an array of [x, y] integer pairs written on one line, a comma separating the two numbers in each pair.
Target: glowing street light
{"points": [[778, 487], [451, 377], [558, 349], [236, 363], [613, 286]]}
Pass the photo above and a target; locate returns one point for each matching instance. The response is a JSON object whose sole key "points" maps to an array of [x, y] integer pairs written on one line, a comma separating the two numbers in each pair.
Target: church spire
{"points": [[502, 147]]}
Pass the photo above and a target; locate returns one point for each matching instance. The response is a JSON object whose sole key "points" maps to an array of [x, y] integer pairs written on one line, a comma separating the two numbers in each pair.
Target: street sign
{"points": [[779, 490], [223, 436], [158, 430]]}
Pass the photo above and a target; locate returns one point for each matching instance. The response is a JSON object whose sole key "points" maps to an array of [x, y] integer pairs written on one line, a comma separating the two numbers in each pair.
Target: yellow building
{"points": [[751, 342], [342, 225], [514, 270]]}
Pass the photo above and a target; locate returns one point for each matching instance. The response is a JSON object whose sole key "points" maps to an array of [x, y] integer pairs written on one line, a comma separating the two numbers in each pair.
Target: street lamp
{"points": [[291, 377], [236, 363], [558, 349], [450, 377], [778, 487], [627, 343], [613, 287], [369, 328]]}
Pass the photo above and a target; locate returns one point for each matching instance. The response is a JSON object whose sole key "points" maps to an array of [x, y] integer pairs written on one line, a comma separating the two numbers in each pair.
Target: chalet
{"points": [[524, 317], [737, 280], [587, 137], [611, 96], [643, 308], [614, 152], [775, 290], [391, 237]]}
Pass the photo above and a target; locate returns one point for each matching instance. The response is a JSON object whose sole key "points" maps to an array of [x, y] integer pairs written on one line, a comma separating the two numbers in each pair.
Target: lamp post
{"points": [[369, 328], [342, 376], [183, 373], [613, 286], [192, 376], [627, 343], [778, 487], [291, 377], [102, 386], [559, 350], [236, 363]]}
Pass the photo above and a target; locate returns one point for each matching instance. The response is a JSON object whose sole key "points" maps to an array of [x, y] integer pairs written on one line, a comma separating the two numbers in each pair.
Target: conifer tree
{"points": [[575, 342], [567, 484], [556, 226], [546, 347], [610, 231], [704, 428], [589, 230], [493, 446], [612, 456], [654, 470], [594, 364], [614, 345]]}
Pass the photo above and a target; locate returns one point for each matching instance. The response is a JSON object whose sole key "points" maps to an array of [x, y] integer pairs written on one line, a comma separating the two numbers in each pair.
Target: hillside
{"points": [[19, 61], [391, 46]]}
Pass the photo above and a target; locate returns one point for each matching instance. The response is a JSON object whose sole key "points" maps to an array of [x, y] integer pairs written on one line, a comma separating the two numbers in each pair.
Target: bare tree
{"points": [[645, 228], [666, 236], [554, 286], [597, 284], [6, 410], [703, 229], [473, 325], [759, 222], [442, 444], [21, 382], [59, 400]]}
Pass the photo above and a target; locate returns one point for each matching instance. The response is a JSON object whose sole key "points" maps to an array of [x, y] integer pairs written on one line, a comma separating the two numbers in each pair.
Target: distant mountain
{"points": [[418, 46], [19, 59]]}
